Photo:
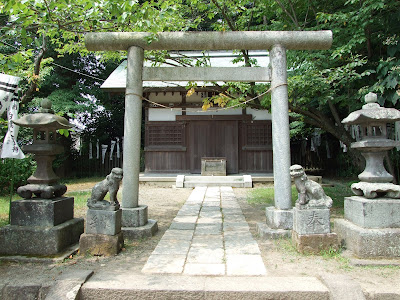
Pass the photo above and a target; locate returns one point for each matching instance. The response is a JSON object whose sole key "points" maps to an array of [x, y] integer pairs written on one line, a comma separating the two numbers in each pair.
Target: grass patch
{"points": [[4, 209], [265, 195], [337, 191], [67, 181], [80, 198]]}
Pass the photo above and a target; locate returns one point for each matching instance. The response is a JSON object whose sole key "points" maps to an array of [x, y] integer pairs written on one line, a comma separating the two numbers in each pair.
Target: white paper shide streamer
{"points": [[118, 149], [90, 150], [112, 149], [8, 100], [103, 152]]}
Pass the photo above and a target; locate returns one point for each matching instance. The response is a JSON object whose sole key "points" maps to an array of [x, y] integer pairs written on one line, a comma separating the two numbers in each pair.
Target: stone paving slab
{"points": [[165, 264], [182, 226], [245, 264], [208, 237], [206, 255], [204, 269], [173, 234], [208, 240], [172, 247], [106, 286]]}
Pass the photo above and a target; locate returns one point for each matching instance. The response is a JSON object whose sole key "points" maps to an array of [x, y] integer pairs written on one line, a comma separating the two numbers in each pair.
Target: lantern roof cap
{"points": [[372, 112], [45, 118]]}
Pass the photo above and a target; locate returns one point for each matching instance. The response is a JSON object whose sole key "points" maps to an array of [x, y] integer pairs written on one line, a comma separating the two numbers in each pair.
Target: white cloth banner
{"points": [[8, 91], [112, 149], [9, 100], [103, 152], [10, 146]]}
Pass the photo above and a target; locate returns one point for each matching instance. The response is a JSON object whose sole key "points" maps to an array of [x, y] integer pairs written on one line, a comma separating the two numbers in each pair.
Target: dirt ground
{"points": [[280, 257]]}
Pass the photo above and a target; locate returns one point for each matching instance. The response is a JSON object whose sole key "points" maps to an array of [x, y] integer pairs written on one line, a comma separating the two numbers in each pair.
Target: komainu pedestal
{"points": [[103, 235], [312, 231], [311, 216]]}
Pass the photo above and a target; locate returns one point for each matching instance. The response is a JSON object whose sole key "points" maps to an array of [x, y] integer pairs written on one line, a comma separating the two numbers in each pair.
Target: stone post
{"points": [[280, 128], [132, 127], [279, 218], [135, 222]]}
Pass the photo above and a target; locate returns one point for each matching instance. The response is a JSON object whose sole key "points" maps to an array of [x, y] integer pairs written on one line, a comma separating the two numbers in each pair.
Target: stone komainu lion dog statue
{"points": [[310, 192], [109, 185]]}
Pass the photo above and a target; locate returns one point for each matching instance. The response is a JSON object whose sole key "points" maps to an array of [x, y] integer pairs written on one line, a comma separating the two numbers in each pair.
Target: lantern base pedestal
{"points": [[368, 242], [39, 241], [40, 227], [41, 190], [373, 190]]}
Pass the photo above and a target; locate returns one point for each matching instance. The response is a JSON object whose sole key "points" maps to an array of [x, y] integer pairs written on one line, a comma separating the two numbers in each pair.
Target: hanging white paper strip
{"points": [[112, 149], [328, 151], [118, 150], [343, 145], [103, 152], [90, 150]]}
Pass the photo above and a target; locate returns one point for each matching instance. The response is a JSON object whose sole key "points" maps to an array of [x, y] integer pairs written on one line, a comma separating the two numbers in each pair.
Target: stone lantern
{"points": [[371, 224], [44, 225], [374, 144], [43, 183]]}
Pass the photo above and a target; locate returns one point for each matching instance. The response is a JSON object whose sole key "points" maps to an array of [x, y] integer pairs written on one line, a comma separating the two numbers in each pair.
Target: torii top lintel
{"points": [[210, 40]]}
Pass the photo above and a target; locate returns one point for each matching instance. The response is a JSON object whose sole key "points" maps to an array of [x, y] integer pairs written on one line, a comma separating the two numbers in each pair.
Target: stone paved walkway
{"points": [[209, 236]]}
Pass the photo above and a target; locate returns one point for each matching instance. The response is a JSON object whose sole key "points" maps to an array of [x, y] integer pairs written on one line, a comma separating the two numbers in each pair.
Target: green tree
{"points": [[29, 27], [324, 86]]}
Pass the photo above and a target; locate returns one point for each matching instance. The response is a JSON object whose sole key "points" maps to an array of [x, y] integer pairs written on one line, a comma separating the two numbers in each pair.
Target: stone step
{"points": [[134, 286], [208, 181]]}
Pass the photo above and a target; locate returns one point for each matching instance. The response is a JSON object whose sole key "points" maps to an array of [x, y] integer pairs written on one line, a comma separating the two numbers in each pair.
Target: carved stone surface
{"points": [[373, 190], [41, 212], [100, 244], [372, 213], [103, 221], [311, 221], [310, 193], [109, 185]]}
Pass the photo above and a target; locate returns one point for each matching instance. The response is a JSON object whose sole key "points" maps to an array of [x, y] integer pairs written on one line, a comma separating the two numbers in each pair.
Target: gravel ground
{"points": [[280, 257]]}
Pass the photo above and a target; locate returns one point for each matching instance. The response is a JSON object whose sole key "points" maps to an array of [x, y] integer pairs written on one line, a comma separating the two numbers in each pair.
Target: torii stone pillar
{"points": [[135, 223], [279, 218]]}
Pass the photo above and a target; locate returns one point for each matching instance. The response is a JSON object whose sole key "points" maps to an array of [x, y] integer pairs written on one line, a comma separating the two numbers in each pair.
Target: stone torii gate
{"points": [[277, 42]]}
